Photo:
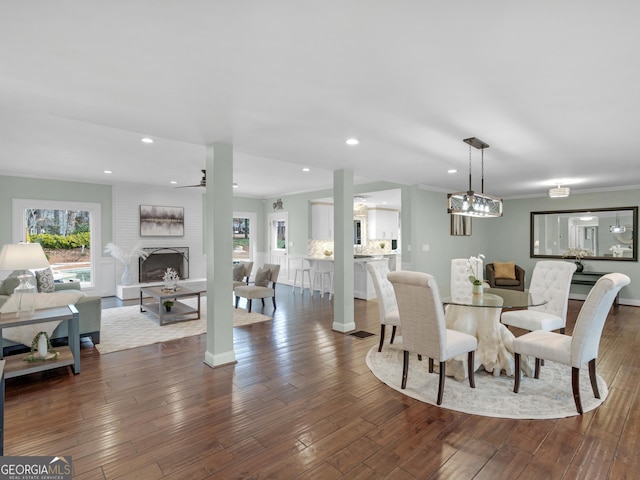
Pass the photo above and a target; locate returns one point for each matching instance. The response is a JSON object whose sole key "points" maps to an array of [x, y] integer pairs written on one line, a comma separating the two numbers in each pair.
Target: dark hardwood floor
{"points": [[301, 403]]}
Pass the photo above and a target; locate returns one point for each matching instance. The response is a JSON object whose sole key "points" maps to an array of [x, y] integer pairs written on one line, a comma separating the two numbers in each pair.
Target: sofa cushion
{"points": [[44, 278], [262, 277], [505, 270]]}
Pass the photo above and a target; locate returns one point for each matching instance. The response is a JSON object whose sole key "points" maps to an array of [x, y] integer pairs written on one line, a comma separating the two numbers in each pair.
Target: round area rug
{"points": [[550, 396]]}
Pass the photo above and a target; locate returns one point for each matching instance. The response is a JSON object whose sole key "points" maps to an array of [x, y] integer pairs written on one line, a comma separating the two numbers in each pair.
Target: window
{"points": [[243, 236], [67, 232]]}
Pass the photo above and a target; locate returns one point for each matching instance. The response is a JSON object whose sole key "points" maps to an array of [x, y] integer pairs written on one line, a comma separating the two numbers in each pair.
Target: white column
{"points": [[218, 249], [343, 312]]}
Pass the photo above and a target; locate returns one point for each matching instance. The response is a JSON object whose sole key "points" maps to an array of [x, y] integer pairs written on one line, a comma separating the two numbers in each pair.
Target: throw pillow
{"points": [[505, 270], [238, 272], [262, 277], [44, 278]]}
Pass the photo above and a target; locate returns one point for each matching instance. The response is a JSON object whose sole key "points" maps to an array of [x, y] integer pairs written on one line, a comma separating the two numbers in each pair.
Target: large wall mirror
{"points": [[608, 233]]}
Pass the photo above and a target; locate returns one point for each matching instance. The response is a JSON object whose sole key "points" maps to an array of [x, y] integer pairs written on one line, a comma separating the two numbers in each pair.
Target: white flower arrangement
{"points": [[577, 253], [473, 264], [617, 250]]}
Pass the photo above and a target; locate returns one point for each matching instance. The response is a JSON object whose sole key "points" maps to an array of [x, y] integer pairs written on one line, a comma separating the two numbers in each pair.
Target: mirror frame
{"points": [[634, 243]]}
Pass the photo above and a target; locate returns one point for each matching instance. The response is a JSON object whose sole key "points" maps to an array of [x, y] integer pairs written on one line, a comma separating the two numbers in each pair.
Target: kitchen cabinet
{"points": [[383, 224], [321, 221]]}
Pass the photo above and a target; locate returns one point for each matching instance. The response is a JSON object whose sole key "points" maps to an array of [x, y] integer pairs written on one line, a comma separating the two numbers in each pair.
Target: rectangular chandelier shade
{"points": [[470, 203], [473, 204]]}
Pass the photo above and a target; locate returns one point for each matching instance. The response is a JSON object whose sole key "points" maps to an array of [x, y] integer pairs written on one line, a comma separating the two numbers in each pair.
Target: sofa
{"points": [[89, 310]]}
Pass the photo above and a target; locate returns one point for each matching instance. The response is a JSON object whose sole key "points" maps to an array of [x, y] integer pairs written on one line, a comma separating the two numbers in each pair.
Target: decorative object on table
{"points": [[41, 349], [475, 273], [470, 203], [578, 254], [170, 279], [617, 250], [24, 256], [328, 253], [125, 258], [158, 221], [167, 305], [382, 245]]}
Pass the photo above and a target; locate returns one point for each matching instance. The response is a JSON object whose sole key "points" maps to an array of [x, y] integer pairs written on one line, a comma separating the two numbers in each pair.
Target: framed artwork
{"points": [[158, 221], [460, 225]]}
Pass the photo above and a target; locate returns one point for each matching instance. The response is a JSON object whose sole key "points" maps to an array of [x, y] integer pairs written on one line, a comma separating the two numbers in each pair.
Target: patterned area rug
{"points": [[550, 396], [126, 327]]}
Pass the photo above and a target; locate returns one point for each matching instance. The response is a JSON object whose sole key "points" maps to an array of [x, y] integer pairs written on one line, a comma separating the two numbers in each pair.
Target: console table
{"points": [[590, 278], [15, 365]]}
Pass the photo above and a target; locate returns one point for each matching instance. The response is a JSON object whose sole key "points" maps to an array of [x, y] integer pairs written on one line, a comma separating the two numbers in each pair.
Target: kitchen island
{"points": [[362, 284]]}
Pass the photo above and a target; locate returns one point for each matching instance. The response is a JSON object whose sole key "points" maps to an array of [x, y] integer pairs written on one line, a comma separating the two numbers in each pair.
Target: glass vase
{"points": [[25, 295]]}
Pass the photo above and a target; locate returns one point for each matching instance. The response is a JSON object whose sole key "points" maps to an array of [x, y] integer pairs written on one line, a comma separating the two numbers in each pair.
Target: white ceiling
{"points": [[552, 88]]}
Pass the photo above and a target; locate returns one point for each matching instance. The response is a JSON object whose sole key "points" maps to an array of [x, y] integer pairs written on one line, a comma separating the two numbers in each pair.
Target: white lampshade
{"points": [[22, 256]]}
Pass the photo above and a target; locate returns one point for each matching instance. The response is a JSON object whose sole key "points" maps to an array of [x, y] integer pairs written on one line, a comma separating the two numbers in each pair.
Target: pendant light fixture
{"points": [[559, 192], [470, 203], [617, 228]]}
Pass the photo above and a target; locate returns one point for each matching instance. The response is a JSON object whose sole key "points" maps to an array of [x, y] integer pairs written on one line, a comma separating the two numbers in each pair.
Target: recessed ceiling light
{"points": [[146, 140], [452, 170], [306, 169], [108, 171], [352, 141], [173, 182]]}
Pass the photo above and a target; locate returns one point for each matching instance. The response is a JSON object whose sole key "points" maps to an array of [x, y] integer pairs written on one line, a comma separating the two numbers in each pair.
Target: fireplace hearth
{"points": [[152, 268]]}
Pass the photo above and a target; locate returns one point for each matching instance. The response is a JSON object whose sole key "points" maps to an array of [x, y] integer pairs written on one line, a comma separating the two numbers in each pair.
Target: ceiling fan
{"points": [[203, 181]]}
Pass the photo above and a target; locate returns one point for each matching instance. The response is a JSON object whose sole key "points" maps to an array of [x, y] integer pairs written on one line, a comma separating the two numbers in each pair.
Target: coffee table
{"points": [[180, 312]]}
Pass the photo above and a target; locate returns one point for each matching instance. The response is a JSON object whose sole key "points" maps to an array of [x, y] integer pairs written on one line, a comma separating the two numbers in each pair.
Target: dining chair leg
{"points": [[575, 385], [237, 301], [536, 373], [593, 378], [441, 382], [393, 333], [405, 368], [471, 370], [516, 374], [249, 305], [431, 365], [274, 302], [381, 337]]}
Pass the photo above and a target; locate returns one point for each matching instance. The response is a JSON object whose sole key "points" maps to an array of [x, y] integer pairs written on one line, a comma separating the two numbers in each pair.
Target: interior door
{"points": [[279, 241]]}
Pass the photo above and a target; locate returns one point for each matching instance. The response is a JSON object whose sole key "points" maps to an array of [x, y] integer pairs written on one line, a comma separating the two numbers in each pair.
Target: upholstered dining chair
{"points": [[241, 274], [506, 275], [582, 346], [460, 284], [551, 281], [423, 326], [386, 297], [264, 286]]}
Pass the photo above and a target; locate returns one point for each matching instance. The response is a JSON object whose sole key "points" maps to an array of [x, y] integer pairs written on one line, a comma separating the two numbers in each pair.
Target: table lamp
{"points": [[23, 256]]}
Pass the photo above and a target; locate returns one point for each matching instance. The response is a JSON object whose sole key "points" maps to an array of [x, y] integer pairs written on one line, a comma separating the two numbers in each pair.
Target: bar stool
{"points": [[305, 267], [320, 276]]}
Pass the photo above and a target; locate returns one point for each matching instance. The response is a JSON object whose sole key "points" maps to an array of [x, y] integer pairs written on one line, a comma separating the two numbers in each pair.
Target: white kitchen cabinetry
{"points": [[321, 221], [383, 224]]}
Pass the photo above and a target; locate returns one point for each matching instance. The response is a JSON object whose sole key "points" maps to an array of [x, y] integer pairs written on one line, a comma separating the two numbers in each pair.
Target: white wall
{"points": [[127, 199]]}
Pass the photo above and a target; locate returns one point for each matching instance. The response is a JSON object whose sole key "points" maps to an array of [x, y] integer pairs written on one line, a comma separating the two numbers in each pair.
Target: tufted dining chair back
{"points": [[551, 280], [386, 297], [460, 285]]}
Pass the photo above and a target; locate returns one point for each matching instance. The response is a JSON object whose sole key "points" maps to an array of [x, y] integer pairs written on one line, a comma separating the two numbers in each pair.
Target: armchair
{"points": [[264, 286], [499, 275]]}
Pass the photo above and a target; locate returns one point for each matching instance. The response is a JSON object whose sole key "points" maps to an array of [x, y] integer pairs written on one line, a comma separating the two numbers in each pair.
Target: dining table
{"points": [[479, 315]]}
